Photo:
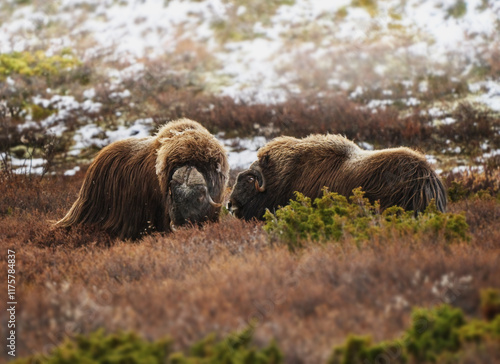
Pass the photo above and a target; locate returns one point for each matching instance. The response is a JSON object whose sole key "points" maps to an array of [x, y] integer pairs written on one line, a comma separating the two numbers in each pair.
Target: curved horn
{"points": [[209, 199], [173, 227], [257, 168]]}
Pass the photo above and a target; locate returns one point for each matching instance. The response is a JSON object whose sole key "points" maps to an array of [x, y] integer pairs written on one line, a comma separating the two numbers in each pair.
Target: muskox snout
{"points": [[190, 199], [248, 190], [232, 207]]}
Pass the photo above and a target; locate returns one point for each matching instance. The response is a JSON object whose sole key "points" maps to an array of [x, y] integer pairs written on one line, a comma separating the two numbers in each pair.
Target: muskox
{"points": [[396, 176], [140, 185]]}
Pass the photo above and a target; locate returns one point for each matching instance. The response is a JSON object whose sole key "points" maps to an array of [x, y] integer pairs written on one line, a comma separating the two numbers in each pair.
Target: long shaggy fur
{"points": [[397, 176], [125, 191]]}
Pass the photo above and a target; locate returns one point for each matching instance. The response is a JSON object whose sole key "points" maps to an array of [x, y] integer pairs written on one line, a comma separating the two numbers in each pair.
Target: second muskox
{"points": [[396, 176], [140, 185]]}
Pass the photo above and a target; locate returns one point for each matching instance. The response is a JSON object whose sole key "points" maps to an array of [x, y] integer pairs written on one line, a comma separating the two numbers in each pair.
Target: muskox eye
{"points": [[251, 179]]}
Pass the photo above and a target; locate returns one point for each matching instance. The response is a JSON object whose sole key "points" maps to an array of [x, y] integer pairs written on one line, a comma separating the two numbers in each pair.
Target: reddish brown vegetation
{"points": [[299, 116], [302, 115], [469, 183], [226, 276]]}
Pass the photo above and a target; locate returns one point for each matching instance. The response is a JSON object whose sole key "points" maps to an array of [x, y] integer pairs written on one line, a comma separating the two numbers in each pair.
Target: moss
{"points": [[239, 26], [35, 64], [458, 10], [20, 151], [341, 13], [370, 6], [39, 113]]}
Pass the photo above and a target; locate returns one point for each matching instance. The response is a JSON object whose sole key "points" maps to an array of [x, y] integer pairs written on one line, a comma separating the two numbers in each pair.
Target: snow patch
{"points": [[242, 152]]}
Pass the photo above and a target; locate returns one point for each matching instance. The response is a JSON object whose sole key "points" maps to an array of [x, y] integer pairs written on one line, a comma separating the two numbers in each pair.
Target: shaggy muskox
{"points": [[140, 185], [398, 176]]}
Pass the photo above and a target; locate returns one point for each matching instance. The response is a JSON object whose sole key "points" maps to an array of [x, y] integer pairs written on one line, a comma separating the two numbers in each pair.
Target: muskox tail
{"points": [[425, 187]]}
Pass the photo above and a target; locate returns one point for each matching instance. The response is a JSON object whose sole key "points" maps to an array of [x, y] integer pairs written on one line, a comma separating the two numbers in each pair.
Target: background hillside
{"points": [[98, 71], [76, 75]]}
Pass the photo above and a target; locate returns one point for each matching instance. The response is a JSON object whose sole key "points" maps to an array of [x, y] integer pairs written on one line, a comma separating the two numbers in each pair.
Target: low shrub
{"points": [[129, 348], [470, 184], [99, 347], [360, 350], [433, 332], [235, 349], [472, 127], [437, 335], [490, 303], [333, 217], [479, 332]]}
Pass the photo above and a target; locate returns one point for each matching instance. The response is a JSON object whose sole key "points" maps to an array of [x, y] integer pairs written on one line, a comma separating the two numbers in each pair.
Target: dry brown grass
{"points": [[226, 276], [468, 183]]}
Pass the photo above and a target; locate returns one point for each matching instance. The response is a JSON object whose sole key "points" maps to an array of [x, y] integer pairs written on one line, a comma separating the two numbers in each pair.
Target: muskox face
{"points": [[250, 184], [189, 199]]}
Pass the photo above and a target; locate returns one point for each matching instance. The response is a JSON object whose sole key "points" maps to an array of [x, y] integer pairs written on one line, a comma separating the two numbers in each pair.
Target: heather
{"points": [[226, 277]]}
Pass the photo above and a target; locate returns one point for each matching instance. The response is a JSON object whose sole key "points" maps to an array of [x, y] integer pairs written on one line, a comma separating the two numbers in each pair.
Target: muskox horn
{"points": [[194, 177], [212, 202], [255, 166], [173, 227]]}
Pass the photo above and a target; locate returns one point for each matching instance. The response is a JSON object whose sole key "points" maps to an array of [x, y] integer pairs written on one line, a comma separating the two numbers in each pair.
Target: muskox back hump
{"points": [[399, 176]]}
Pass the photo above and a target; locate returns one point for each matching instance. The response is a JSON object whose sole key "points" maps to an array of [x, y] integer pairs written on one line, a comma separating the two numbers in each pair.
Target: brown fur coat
{"points": [[396, 176], [126, 187]]}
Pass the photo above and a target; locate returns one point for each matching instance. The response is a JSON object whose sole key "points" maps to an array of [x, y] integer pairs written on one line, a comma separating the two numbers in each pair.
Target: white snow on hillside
{"points": [[93, 135], [242, 152], [294, 48], [266, 63]]}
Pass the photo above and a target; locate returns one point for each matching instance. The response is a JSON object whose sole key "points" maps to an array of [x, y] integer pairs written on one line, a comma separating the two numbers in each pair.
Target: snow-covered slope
{"points": [[267, 47], [261, 50]]}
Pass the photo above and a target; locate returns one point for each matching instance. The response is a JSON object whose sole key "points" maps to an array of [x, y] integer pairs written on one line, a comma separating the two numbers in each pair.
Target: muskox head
{"points": [[250, 184], [189, 198]]}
